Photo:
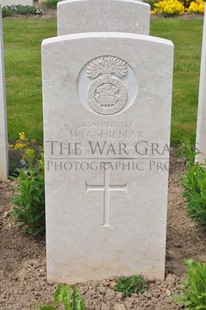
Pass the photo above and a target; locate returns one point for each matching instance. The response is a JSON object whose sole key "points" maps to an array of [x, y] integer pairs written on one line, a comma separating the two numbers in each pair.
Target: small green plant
{"points": [[130, 285], [29, 203], [151, 3], [52, 4], [194, 183], [11, 10], [7, 12], [188, 151], [64, 297], [193, 290], [24, 153]]}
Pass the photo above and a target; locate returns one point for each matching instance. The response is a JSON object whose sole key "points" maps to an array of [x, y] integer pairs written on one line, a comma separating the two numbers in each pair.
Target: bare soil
{"points": [[23, 263]]}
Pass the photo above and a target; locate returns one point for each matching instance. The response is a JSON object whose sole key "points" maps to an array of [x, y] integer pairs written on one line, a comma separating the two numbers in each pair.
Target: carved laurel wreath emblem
{"points": [[107, 94]]}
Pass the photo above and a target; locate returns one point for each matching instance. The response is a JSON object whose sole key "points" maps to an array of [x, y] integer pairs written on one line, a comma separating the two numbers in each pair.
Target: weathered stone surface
{"points": [[16, 2], [107, 111], [76, 16]]}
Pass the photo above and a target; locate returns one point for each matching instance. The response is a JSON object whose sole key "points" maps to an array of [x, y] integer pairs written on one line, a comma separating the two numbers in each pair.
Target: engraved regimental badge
{"points": [[107, 94], [107, 85]]}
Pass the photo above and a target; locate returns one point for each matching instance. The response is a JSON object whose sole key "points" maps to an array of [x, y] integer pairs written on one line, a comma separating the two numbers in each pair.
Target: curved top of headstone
{"points": [[78, 16], [101, 91]]}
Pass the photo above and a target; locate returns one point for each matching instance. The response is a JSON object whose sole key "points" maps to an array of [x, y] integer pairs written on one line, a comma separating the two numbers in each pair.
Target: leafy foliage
{"points": [[24, 153], [51, 3], [77, 301], [11, 10], [29, 203], [193, 291], [151, 3], [63, 297], [194, 183], [130, 285], [188, 151]]}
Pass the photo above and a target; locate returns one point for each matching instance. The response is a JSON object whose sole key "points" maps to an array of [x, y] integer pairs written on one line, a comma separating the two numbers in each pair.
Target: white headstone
{"points": [[107, 112], [201, 116], [16, 2], [76, 16], [3, 114]]}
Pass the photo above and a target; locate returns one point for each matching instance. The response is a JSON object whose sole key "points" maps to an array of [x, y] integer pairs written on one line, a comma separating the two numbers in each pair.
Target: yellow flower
{"points": [[19, 146], [169, 7], [196, 7], [153, 12], [29, 152], [22, 136]]}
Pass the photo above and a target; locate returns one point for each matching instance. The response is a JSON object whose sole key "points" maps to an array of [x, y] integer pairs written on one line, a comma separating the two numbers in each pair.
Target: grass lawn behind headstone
{"points": [[23, 37], [186, 35], [22, 42]]}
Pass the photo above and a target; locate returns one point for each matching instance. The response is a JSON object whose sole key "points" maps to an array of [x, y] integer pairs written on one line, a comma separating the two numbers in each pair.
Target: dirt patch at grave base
{"points": [[23, 264]]}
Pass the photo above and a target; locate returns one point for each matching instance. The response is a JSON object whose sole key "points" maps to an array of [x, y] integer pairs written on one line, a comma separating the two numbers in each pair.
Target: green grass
{"points": [[23, 39], [131, 285], [186, 35]]}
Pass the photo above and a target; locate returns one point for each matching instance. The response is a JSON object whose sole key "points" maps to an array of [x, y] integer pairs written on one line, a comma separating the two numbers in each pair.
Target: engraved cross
{"points": [[106, 188]]}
